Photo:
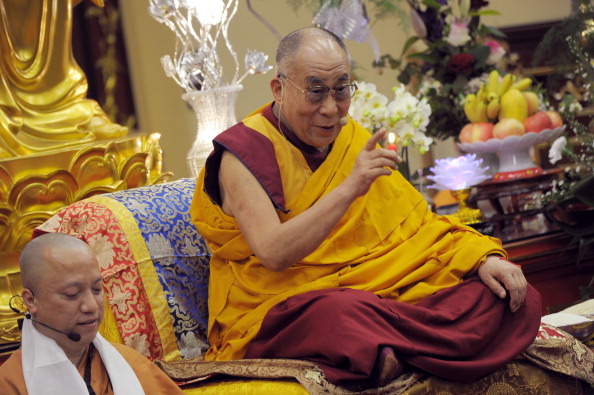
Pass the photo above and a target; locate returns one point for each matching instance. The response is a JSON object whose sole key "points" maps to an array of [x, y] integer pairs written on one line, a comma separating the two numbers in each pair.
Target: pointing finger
{"points": [[374, 139]]}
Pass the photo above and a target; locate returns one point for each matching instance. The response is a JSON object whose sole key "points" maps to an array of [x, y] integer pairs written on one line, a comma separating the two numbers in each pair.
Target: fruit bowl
{"points": [[513, 152]]}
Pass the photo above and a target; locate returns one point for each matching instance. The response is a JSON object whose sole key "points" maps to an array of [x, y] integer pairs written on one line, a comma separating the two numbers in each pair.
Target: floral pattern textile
{"points": [[154, 263]]}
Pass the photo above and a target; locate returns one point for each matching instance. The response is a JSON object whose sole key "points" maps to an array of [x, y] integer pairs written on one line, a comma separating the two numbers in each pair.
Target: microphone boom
{"points": [[75, 337]]}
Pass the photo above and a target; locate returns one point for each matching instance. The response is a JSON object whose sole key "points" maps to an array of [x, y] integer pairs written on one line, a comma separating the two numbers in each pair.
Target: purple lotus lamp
{"points": [[459, 175]]}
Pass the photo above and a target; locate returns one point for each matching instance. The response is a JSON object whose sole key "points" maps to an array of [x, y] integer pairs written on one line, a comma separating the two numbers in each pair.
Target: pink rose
{"points": [[458, 34], [497, 51]]}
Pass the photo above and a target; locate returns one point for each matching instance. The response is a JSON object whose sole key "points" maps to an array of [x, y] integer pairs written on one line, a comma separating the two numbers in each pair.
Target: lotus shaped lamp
{"points": [[459, 175]]}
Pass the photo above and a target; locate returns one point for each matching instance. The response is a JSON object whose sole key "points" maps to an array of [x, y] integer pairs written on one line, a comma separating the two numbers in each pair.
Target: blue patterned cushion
{"points": [[179, 255]]}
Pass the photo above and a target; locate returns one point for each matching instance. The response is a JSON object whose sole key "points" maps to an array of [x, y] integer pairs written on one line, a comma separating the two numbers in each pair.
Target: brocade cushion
{"points": [[154, 263]]}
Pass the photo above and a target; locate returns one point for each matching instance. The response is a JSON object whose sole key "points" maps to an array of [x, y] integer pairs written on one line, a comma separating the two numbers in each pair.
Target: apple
{"points": [[508, 127], [556, 119], [533, 102], [480, 131], [538, 122]]}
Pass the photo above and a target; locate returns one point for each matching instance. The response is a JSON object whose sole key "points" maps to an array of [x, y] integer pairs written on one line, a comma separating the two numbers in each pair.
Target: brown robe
{"points": [[153, 380]]}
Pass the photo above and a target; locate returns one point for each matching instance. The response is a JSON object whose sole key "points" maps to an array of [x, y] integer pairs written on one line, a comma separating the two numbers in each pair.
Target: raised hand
{"points": [[371, 163]]}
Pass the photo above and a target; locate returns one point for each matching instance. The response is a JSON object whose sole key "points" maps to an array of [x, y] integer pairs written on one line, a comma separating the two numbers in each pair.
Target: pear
{"points": [[513, 105]]}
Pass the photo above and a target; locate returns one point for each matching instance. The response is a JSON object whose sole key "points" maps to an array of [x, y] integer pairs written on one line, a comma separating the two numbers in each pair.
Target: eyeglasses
{"points": [[317, 94]]}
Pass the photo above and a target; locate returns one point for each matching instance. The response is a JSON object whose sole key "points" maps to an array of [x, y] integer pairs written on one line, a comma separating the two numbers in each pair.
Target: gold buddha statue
{"points": [[43, 104]]}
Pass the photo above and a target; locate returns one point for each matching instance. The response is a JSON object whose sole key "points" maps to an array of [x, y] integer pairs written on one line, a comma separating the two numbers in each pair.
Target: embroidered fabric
{"points": [[154, 264]]}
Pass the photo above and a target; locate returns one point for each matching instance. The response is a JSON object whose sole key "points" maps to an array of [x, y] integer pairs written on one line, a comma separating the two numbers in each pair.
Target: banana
{"points": [[493, 82], [481, 95], [493, 109], [481, 111], [470, 107], [523, 84], [505, 84], [513, 105]]}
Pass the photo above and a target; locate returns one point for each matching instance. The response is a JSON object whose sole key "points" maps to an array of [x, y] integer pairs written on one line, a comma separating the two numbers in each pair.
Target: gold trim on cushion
{"points": [[156, 298]]}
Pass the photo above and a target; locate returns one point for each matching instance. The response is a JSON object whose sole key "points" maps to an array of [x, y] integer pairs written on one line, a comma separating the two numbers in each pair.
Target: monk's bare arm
{"points": [[280, 245]]}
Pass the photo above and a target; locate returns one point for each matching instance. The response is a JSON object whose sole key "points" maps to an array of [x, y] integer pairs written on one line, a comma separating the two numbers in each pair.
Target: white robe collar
{"points": [[48, 370]]}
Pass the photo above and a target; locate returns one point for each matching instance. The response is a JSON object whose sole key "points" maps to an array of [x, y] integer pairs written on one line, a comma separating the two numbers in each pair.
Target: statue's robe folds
{"points": [[389, 242], [43, 102]]}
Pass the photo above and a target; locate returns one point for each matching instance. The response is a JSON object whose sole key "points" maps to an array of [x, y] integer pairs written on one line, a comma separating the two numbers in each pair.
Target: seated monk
{"points": [[61, 351], [43, 102], [322, 251]]}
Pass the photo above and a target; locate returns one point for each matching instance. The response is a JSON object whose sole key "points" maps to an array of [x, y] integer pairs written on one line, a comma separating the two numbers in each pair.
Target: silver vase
{"points": [[215, 112]]}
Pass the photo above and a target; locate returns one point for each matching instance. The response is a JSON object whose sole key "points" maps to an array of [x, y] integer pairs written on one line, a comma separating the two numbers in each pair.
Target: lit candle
{"points": [[392, 142]]}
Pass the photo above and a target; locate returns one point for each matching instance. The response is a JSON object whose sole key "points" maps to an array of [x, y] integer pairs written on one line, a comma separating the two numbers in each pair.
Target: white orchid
{"points": [[406, 116]]}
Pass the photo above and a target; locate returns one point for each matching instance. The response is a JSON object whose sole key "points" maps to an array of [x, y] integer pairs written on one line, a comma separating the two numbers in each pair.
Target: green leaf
{"points": [[584, 190], [432, 4], [480, 52], [425, 57], [409, 43], [492, 30], [484, 12], [404, 77]]}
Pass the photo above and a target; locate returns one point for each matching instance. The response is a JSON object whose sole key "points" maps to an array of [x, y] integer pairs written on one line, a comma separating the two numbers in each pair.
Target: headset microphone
{"points": [[343, 121], [75, 337]]}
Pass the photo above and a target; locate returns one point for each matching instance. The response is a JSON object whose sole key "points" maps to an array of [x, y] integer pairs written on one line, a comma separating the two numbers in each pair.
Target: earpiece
{"points": [[343, 121], [13, 308]]}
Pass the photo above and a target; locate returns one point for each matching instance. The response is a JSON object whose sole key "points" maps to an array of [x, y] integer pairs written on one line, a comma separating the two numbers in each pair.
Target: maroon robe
{"points": [[460, 333]]}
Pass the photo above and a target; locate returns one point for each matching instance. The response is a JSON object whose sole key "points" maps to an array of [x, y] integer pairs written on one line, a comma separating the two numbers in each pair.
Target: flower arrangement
{"points": [[459, 54], [574, 40], [570, 202], [198, 26], [405, 118]]}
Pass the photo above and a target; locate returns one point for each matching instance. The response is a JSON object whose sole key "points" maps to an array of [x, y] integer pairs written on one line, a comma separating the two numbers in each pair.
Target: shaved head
{"points": [[35, 257], [289, 46], [63, 290]]}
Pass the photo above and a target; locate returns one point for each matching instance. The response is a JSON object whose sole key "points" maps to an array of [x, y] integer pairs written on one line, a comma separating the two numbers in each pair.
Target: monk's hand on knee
{"points": [[501, 275]]}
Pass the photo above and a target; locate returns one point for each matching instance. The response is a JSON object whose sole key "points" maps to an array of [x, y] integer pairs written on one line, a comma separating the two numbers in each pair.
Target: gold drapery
{"points": [[43, 102]]}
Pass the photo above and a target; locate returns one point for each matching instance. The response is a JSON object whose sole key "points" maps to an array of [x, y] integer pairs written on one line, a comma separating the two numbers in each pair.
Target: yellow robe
{"points": [[388, 242]]}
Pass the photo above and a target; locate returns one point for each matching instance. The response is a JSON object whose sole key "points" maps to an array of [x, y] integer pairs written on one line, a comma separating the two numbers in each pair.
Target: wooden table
{"points": [[532, 240], [512, 205]]}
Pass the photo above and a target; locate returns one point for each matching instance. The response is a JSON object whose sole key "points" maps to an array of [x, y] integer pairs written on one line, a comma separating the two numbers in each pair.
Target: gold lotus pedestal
{"points": [[466, 214], [34, 187]]}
